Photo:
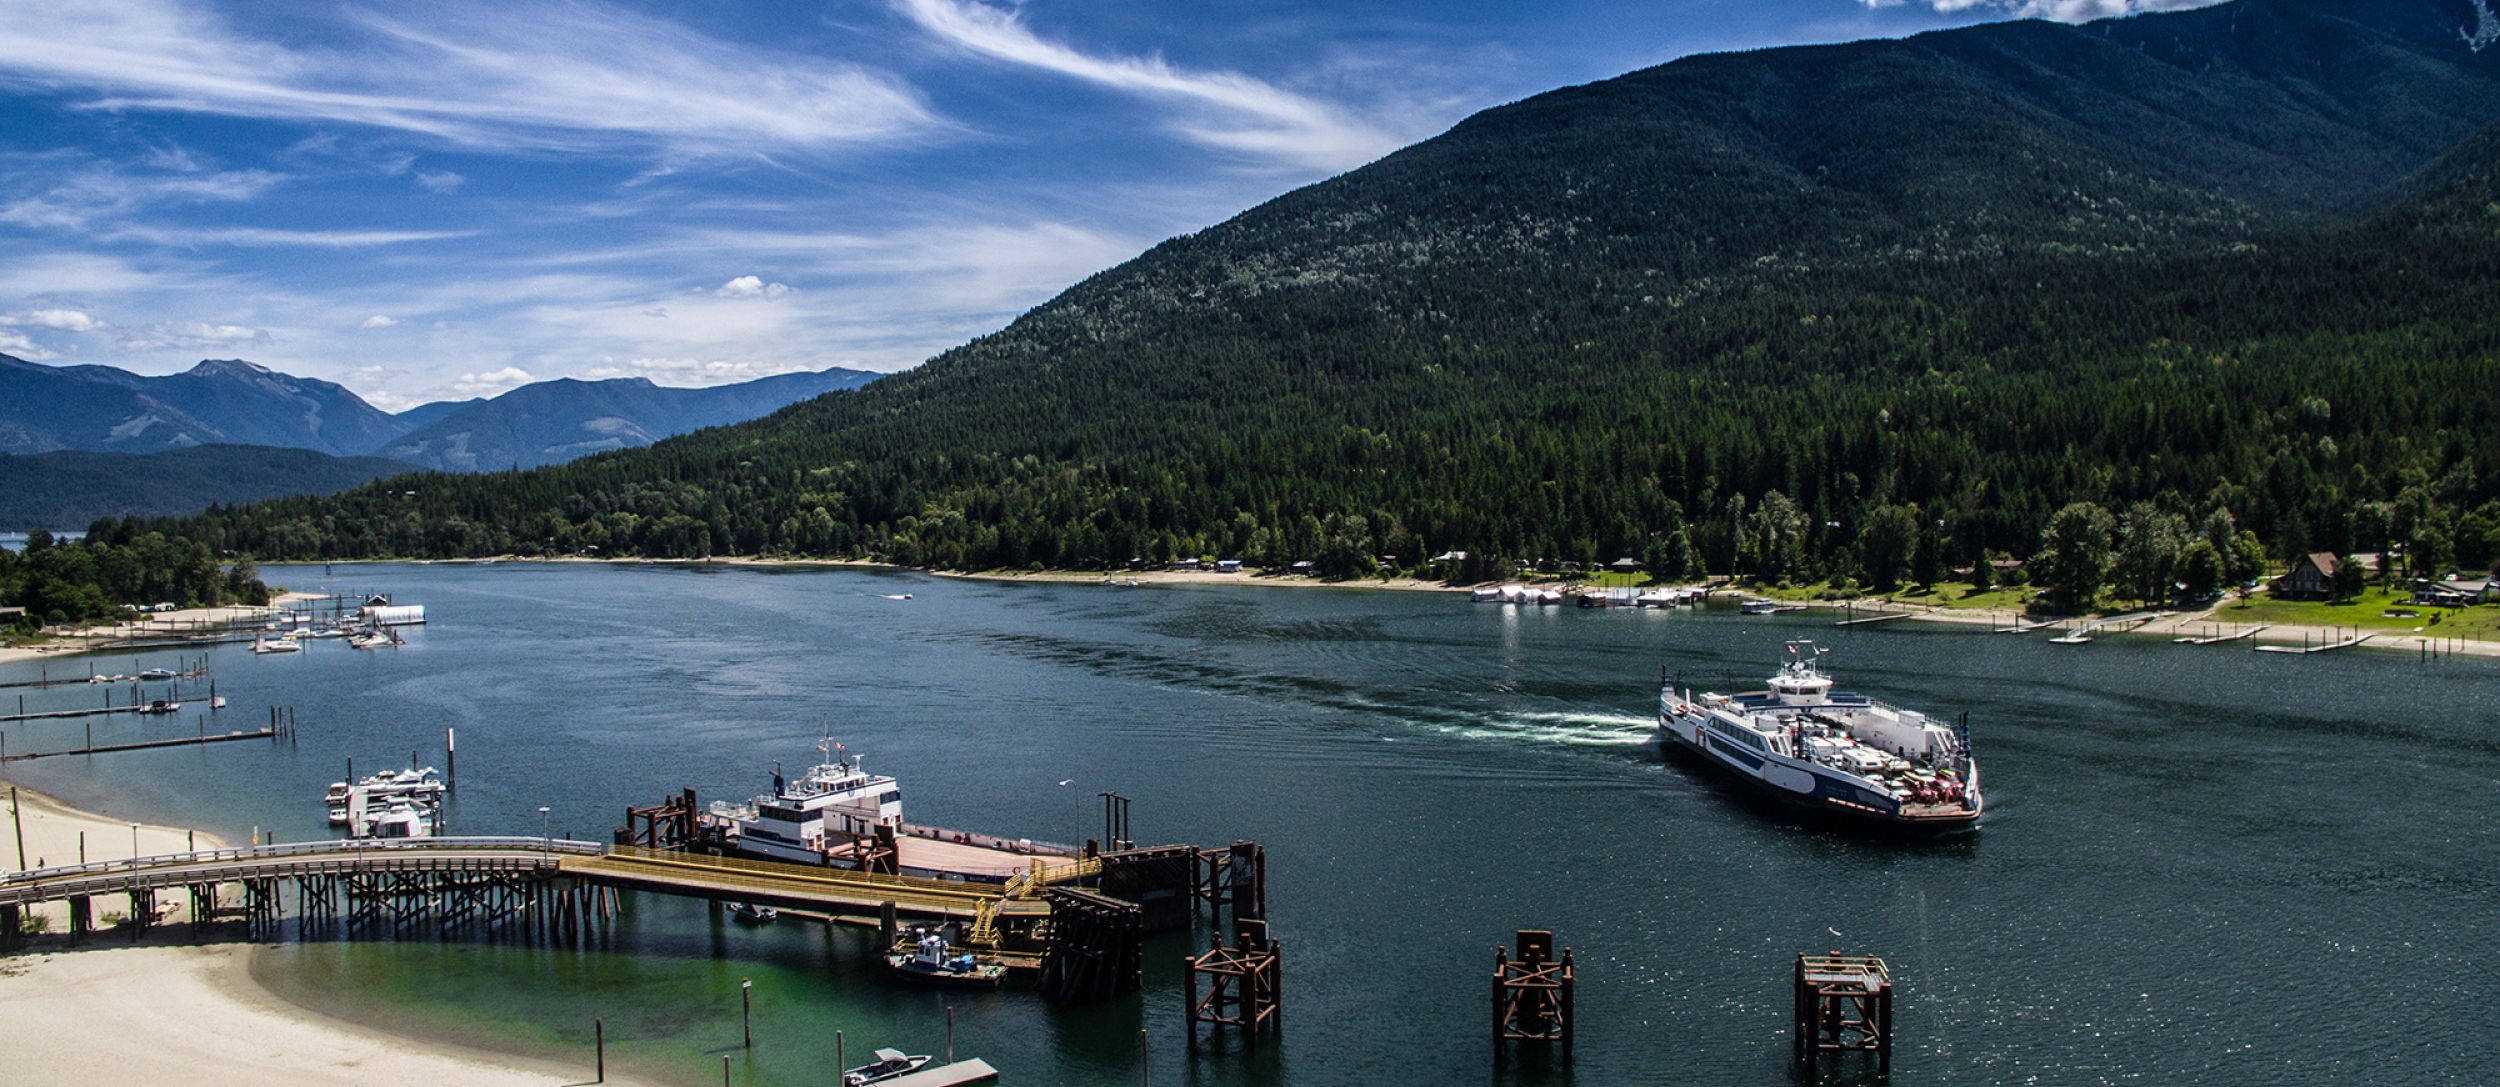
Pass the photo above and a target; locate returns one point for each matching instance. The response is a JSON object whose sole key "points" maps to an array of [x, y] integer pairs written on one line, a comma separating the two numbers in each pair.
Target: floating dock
{"points": [[1885, 618], [2218, 639], [975, 1070], [2322, 647], [142, 745]]}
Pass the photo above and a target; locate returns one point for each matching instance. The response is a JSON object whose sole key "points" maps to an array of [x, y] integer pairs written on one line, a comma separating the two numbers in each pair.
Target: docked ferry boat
{"points": [[831, 806], [1846, 754]]}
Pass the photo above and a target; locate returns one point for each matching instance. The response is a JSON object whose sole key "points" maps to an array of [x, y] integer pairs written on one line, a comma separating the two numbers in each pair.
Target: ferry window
{"points": [[891, 796]]}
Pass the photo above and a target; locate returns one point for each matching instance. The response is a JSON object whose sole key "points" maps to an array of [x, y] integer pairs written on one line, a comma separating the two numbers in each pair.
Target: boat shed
{"points": [[396, 616]]}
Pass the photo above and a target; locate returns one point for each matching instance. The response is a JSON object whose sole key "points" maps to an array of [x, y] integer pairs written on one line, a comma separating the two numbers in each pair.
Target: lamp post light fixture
{"points": [[546, 841]]}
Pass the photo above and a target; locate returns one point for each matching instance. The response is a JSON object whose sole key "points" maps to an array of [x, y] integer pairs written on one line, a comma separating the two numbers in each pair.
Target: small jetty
{"points": [[2322, 647], [2218, 639], [142, 745], [1862, 620], [2083, 634], [974, 1070]]}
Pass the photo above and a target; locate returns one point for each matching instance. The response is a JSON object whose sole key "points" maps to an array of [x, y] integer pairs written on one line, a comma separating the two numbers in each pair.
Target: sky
{"points": [[449, 199]]}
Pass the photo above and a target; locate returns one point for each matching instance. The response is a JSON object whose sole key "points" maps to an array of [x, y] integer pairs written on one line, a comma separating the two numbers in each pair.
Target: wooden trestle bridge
{"points": [[542, 886]]}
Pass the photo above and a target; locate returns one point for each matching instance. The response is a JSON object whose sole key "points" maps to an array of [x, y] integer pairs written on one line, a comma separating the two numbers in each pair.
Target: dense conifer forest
{"points": [[1962, 318], [118, 563]]}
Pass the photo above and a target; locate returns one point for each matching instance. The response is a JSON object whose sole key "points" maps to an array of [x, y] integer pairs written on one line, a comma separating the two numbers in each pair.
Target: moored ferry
{"points": [[840, 815], [1803, 743]]}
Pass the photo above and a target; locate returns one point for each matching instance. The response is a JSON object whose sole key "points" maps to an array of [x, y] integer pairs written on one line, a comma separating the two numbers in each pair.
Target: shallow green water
{"points": [[2202, 865]]}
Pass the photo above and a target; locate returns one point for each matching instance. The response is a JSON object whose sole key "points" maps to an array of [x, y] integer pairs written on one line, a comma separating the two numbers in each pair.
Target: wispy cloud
{"points": [[440, 181], [192, 336], [1222, 109], [2064, 11], [377, 321], [563, 75], [267, 237], [73, 198]]}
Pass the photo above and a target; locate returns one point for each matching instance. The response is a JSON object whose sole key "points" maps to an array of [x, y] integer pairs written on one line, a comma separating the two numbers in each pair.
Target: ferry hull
{"points": [[1800, 787]]}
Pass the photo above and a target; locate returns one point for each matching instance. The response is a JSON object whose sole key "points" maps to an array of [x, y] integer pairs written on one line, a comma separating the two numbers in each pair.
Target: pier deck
{"points": [[823, 890]]}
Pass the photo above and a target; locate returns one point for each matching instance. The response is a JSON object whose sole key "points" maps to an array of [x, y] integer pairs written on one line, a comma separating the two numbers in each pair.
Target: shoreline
{"points": [[164, 1010]]}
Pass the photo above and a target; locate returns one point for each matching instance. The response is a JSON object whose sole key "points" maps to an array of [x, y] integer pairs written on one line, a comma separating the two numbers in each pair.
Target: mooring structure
{"points": [[1843, 1005], [1533, 994]]}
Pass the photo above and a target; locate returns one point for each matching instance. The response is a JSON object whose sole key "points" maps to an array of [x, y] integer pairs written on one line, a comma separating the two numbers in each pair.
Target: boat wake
{"points": [[1565, 729]]}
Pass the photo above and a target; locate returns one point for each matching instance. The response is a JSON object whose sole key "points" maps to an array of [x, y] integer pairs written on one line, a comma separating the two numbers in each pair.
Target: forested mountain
{"points": [[550, 422], [1754, 311], [68, 489], [100, 408]]}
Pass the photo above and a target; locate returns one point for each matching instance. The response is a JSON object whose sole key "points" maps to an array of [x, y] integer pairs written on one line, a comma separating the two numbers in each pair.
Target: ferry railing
{"points": [[351, 847]]}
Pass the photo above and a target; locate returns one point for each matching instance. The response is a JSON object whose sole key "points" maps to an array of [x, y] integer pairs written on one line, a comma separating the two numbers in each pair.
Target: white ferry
{"points": [[1803, 743], [825, 810]]}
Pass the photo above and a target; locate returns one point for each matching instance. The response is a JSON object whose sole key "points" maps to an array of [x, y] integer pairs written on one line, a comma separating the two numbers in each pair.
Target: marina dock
{"points": [[2218, 639], [2322, 647], [2083, 634], [142, 745]]}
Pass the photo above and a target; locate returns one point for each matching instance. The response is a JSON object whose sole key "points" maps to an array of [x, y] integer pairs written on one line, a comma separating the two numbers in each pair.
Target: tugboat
{"points": [[891, 1063], [930, 961], [1845, 754]]}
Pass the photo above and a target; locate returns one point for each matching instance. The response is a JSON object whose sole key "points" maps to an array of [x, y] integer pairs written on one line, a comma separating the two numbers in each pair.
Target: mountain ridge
{"points": [[1983, 271]]}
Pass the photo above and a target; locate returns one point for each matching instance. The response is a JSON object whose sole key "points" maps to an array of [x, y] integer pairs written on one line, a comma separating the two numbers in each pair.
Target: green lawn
{"points": [[2365, 612]]}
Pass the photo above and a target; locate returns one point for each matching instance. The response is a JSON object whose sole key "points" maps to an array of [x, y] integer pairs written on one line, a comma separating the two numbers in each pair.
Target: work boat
{"points": [[829, 807], [1846, 754]]}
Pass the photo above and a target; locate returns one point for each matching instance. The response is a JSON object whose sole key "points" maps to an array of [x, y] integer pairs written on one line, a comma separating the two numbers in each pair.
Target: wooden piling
{"points": [[1533, 998], [1842, 1004]]}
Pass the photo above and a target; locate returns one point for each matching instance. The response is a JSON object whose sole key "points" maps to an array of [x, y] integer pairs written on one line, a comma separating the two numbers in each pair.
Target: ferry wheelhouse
{"points": [[1803, 743], [831, 806]]}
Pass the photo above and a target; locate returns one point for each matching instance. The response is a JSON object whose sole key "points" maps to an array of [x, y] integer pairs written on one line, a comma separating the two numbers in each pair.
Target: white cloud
{"points": [[262, 237], [2064, 11], [691, 372], [192, 335], [440, 181], [64, 320], [377, 321], [555, 76], [1221, 109], [74, 198], [14, 343], [751, 287], [491, 382]]}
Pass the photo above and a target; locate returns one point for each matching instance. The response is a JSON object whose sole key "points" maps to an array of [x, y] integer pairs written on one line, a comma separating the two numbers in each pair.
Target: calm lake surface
{"points": [[2200, 865]]}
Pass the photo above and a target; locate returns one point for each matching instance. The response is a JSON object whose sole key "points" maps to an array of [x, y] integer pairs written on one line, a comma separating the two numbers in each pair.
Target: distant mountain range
{"points": [[232, 417], [551, 422], [100, 409]]}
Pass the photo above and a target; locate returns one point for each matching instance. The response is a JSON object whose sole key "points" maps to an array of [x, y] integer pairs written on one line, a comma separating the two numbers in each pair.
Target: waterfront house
{"points": [[2312, 578]]}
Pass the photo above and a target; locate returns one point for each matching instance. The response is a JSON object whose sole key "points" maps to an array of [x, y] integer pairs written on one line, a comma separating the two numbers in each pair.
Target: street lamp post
{"points": [[134, 844], [546, 841], [1078, 800]]}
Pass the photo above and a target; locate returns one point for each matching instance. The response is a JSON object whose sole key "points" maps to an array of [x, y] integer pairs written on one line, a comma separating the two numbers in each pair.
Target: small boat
{"points": [[157, 674], [932, 961], [161, 707], [280, 644], [1758, 606], [749, 913], [373, 639], [891, 1064]]}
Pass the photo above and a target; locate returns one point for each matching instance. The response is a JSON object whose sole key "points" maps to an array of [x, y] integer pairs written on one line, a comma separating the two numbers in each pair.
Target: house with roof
{"points": [[2312, 578]]}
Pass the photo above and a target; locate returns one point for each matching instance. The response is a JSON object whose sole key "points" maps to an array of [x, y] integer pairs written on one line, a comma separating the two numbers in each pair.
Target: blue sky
{"points": [[447, 199]]}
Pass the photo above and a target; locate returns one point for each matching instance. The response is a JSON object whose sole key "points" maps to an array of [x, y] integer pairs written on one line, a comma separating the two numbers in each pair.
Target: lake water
{"points": [[2199, 866]]}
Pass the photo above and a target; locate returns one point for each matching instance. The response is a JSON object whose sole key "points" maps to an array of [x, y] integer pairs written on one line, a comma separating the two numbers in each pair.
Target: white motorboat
{"points": [[890, 1064], [284, 643]]}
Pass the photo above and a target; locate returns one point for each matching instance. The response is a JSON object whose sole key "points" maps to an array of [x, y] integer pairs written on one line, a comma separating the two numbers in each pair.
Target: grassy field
{"points": [[2365, 612]]}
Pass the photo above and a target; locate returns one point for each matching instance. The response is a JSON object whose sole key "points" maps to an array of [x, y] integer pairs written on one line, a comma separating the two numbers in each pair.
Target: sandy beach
{"points": [[166, 1012]]}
